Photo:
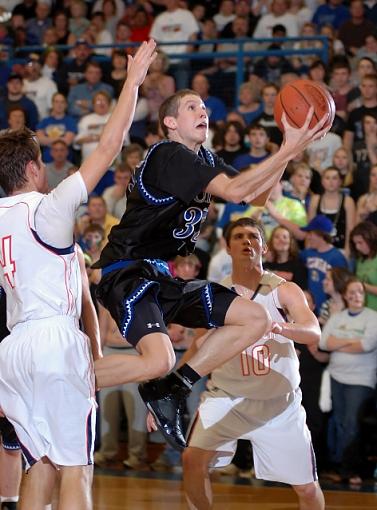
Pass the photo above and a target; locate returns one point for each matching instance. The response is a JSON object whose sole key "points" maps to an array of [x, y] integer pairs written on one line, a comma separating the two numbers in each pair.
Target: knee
{"points": [[307, 492], [261, 318], [161, 366]]}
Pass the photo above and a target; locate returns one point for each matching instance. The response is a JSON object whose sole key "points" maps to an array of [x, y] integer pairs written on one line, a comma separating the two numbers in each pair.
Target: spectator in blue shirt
{"points": [[80, 96], [58, 126], [333, 13], [15, 97], [320, 256], [259, 140], [216, 108]]}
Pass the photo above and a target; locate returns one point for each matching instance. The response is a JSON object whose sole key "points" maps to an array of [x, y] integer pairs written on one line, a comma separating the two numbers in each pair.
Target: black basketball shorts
{"points": [[143, 300]]}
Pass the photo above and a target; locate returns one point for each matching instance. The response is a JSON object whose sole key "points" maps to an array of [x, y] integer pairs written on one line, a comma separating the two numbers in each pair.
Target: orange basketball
{"points": [[297, 97]]}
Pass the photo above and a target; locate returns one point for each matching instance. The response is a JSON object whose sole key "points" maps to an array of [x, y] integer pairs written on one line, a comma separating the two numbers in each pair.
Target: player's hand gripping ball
{"points": [[297, 97]]}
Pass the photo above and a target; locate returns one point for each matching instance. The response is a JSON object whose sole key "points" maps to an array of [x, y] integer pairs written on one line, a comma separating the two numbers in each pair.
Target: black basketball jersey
{"points": [[166, 204]]}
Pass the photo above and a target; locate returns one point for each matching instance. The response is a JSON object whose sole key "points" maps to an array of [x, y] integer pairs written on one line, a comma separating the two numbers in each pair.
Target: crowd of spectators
{"points": [[321, 218]]}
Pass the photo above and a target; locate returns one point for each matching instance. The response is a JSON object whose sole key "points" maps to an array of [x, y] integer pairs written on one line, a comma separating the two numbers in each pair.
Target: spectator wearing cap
{"points": [[35, 27], [37, 87], [320, 255], [80, 96], [72, 71], [15, 97]]}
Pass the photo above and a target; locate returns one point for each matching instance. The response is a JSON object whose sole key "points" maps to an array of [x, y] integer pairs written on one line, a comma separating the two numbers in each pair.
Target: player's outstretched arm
{"points": [[259, 180], [111, 141]]}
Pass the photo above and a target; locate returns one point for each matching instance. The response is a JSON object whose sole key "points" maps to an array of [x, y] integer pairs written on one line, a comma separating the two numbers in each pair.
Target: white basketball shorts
{"points": [[282, 447], [47, 390]]}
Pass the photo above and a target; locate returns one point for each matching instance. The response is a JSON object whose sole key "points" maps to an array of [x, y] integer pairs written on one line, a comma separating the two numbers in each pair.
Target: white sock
{"points": [[9, 499]]}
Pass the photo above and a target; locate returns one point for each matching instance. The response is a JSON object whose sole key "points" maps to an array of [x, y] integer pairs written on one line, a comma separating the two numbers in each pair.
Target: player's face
{"points": [[354, 296], [191, 124], [246, 245], [361, 245]]}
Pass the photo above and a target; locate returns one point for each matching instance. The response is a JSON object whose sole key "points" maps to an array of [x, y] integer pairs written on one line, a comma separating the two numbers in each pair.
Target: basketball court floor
{"points": [[127, 490]]}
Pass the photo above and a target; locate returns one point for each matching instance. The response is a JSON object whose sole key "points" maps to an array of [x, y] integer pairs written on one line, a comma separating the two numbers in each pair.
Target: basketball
{"points": [[297, 97]]}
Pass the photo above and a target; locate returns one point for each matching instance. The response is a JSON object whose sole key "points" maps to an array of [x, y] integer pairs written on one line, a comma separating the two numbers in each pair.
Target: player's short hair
{"points": [[243, 222], [17, 149], [169, 107]]}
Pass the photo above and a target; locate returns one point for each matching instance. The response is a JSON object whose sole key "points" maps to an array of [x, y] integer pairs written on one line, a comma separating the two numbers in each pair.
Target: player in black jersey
{"points": [[167, 203]]}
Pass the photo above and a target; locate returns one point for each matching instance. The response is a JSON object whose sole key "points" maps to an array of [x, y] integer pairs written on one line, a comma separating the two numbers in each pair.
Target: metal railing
{"points": [[239, 54]]}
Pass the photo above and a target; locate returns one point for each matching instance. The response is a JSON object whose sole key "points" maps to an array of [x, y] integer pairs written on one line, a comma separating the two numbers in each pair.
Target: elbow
{"points": [[234, 194]]}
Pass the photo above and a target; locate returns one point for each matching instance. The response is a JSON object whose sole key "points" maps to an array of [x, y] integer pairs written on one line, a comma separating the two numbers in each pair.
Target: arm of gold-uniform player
{"points": [[305, 328]]}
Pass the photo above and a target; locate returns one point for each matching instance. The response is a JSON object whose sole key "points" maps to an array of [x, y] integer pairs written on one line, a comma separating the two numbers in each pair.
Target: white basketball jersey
{"points": [[269, 368], [40, 281]]}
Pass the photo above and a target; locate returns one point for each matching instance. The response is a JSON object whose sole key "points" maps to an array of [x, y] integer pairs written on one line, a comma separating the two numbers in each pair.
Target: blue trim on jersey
{"points": [[120, 264], [145, 194], [159, 264], [129, 304], [12, 446], [207, 155], [58, 251], [207, 299]]}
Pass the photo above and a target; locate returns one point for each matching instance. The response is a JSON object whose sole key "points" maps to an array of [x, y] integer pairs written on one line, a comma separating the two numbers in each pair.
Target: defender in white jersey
{"points": [[46, 368], [256, 395]]}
